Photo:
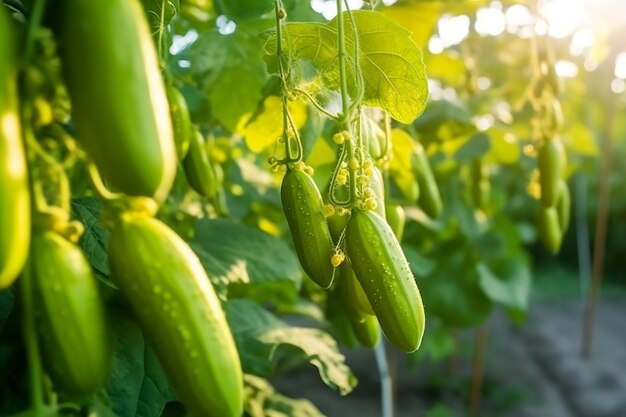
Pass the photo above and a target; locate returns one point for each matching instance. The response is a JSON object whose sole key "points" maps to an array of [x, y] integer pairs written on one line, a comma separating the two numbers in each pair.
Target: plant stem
{"points": [[386, 389], [34, 22], [287, 119], [32, 344], [345, 117], [160, 46], [343, 76], [478, 369]]}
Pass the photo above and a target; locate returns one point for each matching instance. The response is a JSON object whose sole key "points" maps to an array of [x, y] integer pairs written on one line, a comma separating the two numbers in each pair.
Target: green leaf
{"points": [[263, 341], [252, 263], [438, 343], [393, 67], [453, 293], [506, 282], [420, 265], [262, 400], [477, 145], [448, 67], [246, 9], [418, 17], [137, 386], [578, 138], [394, 75], [230, 72], [505, 147], [235, 93], [94, 241]]}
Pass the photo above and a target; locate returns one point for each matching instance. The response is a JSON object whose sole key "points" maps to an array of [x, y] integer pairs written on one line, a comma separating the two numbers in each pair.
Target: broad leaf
{"points": [[264, 341], [394, 76], [250, 262], [474, 148], [580, 139], [453, 293], [508, 283], [137, 386], [236, 93], [94, 241], [267, 127], [418, 17]]}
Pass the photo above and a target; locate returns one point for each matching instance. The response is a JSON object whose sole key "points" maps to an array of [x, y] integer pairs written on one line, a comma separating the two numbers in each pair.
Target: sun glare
{"points": [[563, 17]]}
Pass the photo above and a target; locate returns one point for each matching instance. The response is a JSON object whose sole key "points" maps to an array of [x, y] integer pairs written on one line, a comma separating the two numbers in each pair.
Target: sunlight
{"points": [[581, 41], [181, 42], [517, 17], [453, 29], [328, 8], [563, 16], [490, 21], [618, 86], [620, 66], [566, 69]]}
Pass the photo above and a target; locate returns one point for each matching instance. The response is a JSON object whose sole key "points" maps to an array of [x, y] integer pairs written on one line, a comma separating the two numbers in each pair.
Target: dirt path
{"points": [[534, 370]]}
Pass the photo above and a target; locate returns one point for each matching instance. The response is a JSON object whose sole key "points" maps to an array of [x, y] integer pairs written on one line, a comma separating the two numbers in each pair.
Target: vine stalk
{"points": [[288, 122]]}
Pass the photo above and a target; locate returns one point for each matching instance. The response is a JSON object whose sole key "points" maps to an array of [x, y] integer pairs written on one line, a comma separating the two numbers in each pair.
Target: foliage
{"points": [[474, 104]]}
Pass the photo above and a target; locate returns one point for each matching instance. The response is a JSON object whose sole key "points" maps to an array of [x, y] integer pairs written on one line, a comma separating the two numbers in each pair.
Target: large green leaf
{"points": [[94, 240], [453, 294], [252, 263], [474, 148], [230, 71], [394, 75], [418, 17], [137, 386], [235, 93], [265, 343], [508, 283]]}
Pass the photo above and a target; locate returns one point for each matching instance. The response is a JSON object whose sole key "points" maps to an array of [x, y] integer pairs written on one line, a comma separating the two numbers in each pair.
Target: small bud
{"points": [[328, 210], [337, 258]]}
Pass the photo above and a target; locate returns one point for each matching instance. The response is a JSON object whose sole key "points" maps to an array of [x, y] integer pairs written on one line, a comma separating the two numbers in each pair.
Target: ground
{"points": [[532, 370]]}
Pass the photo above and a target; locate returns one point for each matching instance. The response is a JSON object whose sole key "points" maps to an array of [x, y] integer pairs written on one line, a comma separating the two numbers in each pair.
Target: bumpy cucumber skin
{"points": [[551, 162], [14, 196], [377, 185], [198, 169], [75, 339], [353, 291], [549, 227], [563, 206], [396, 218], [303, 205], [384, 273], [480, 186], [339, 320], [366, 330], [429, 197], [119, 103], [356, 306], [373, 137], [181, 121], [171, 295]]}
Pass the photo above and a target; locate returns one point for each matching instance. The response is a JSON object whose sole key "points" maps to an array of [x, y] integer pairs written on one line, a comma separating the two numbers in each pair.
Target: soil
{"points": [[532, 370]]}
